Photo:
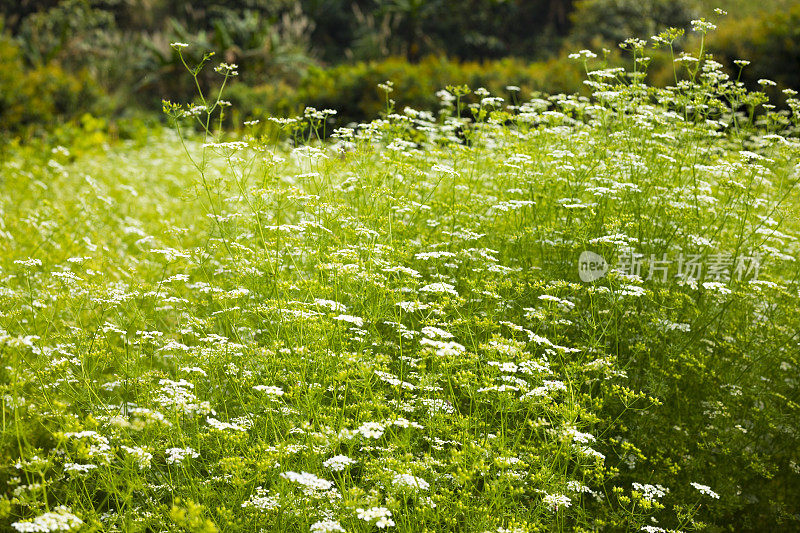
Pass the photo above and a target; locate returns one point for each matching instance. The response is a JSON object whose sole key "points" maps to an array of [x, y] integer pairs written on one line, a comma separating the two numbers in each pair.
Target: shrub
{"points": [[352, 89], [770, 41], [616, 20], [42, 95]]}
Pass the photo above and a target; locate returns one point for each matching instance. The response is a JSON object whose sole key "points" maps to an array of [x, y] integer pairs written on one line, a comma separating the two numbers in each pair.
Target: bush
{"points": [[770, 41], [352, 89], [42, 95], [613, 21]]}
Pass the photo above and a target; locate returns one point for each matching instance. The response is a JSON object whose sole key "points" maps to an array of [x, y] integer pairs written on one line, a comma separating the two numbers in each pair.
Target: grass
{"points": [[388, 330]]}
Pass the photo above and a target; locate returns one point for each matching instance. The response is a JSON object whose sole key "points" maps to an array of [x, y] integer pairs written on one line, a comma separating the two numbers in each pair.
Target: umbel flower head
{"points": [[60, 519]]}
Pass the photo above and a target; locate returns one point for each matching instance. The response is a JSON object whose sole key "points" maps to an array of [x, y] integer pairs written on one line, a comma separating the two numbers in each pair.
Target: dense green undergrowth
{"points": [[395, 330], [111, 60]]}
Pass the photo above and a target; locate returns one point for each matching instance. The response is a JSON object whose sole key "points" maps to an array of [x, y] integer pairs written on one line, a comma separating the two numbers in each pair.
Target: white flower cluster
{"points": [[310, 482], [441, 288], [99, 448], [582, 54], [75, 468], [331, 304], [577, 486], [371, 430], [650, 492], [177, 455], [326, 526], [437, 405], [555, 501], [577, 436], [547, 387], [391, 379], [405, 423], [357, 321], [140, 455], [270, 390], [60, 520], [437, 254], [444, 349], [178, 395], [261, 500], [410, 307], [381, 515], [509, 368], [705, 489], [433, 333], [337, 463], [222, 426], [407, 481]]}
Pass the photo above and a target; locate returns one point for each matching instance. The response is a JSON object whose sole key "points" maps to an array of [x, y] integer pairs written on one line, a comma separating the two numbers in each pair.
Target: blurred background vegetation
{"points": [[101, 62]]}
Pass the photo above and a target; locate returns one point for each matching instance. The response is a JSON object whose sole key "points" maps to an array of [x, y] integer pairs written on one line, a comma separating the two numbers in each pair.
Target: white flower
{"points": [[716, 286], [357, 321], [410, 307], [404, 423], [178, 45], [222, 426], [261, 500], [384, 522], [270, 390], [75, 468], [326, 526], [441, 288], [141, 456], [60, 520], [407, 481], [177, 455], [705, 489], [578, 436], [650, 492], [382, 514], [702, 25], [583, 54], [225, 68], [433, 333], [179, 396], [190, 369], [308, 481], [331, 304], [444, 349], [554, 501], [371, 430], [337, 463], [577, 486], [28, 262]]}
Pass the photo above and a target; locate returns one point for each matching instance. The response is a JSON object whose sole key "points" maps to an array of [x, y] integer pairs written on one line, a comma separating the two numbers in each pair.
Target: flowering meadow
{"points": [[383, 327]]}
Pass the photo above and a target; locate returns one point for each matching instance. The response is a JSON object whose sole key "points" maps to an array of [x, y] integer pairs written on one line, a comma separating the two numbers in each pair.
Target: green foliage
{"points": [[352, 89], [389, 330], [124, 46], [770, 41], [609, 22], [65, 32], [43, 95], [465, 29]]}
